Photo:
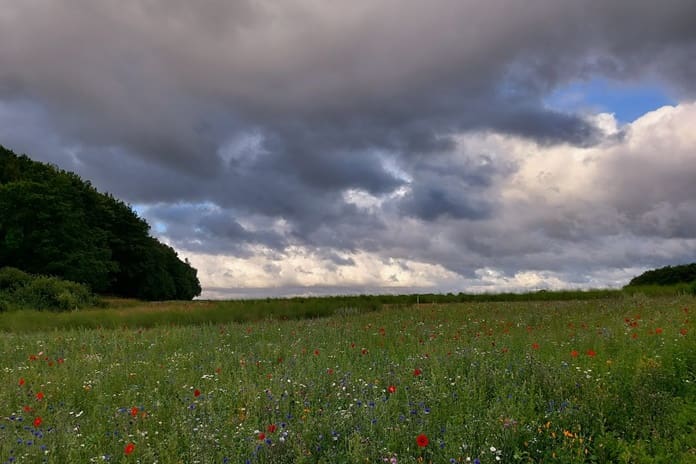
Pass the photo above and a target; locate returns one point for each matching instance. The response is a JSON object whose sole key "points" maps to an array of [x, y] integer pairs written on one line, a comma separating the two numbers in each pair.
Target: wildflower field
{"points": [[547, 381]]}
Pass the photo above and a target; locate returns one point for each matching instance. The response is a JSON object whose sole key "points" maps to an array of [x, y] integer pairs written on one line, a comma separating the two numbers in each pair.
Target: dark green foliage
{"points": [[669, 275], [19, 290], [54, 223], [12, 278], [162, 276]]}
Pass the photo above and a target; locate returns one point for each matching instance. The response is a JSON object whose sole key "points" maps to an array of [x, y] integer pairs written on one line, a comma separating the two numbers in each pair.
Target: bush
{"points": [[52, 293], [24, 291], [12, 278]]}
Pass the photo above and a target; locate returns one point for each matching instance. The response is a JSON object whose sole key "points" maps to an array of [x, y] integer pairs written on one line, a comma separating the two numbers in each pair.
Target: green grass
{"points": [[122, 313], [596, 380], [125, 313]]}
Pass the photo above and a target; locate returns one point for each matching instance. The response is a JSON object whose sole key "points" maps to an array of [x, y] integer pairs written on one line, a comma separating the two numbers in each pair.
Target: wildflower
{"points": [[591, 353], [272, 428], [261, 436], [37, 422], [134, 411], [574, 353], [329, 371], [21, 381], [535, 346], [196, 393], [39, 396], [417, 372], [658, 331], [129, 448], [27, 408], [391, 389], [316, 352], [422, 440], [363, 351], [683, 331]]}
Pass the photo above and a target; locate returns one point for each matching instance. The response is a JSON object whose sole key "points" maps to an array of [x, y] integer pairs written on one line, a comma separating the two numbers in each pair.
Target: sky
{"points": [[373, 146]]}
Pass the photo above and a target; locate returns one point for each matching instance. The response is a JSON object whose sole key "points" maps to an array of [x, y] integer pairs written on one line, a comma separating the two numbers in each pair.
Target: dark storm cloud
{"points": [[272, 111], [207, 228]]}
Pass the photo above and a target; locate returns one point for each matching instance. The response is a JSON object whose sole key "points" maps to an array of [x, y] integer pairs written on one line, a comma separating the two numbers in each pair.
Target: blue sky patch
{"points": [[628, 102]]}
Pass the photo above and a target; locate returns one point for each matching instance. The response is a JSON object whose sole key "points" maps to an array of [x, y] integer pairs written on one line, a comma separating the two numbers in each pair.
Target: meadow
{"points": [[581, 380]]}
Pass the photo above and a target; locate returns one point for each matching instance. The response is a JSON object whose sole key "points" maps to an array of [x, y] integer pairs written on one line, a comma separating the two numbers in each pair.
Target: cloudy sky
{"points": [[314, 146]]}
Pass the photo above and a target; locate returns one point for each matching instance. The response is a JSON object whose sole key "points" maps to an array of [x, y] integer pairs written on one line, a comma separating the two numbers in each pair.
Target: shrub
{"points": [[52, 293], [24, 291], [12, 278]]}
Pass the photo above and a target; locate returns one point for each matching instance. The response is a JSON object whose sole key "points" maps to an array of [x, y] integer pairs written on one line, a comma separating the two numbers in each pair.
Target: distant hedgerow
{"points": [[668, 275]]}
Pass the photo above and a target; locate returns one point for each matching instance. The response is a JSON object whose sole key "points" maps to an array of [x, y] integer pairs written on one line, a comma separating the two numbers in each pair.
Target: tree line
{"points": [[54, 223], [668, 275]]}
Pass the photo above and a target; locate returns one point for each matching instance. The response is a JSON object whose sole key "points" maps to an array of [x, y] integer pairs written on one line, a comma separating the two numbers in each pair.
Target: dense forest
{"points": [[54, 223], [668, 275]]}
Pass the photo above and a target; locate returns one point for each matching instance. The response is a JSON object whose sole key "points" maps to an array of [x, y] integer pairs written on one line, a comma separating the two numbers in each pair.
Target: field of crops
{"points": [[568, 381]]}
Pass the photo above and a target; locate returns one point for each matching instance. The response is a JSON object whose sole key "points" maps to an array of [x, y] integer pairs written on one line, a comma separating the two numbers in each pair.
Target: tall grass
{"points": [[118, 313]]}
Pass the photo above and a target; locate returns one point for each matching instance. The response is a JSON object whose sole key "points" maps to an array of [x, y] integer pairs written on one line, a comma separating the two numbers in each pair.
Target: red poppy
{"points": [[363, 351], [27, 408], [21, 381], [39, 396], [658, 331], [417, 372], [329, 371], [683, 331], [316, 352], [272, 428], [574, 353], [196, 393], [391, 389], [535, 346], [37, 422], [261, 436], [134, 411], [422, 440], [130, 447], [591, 353], [60, 360]]}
